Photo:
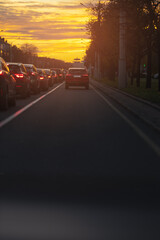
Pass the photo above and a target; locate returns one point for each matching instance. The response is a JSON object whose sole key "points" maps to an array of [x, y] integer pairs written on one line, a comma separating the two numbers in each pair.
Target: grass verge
{"points": [[151, 94]]}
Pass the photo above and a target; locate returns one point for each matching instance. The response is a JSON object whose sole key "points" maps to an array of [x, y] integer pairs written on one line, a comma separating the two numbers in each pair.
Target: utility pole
{"points": [[122, 74]]}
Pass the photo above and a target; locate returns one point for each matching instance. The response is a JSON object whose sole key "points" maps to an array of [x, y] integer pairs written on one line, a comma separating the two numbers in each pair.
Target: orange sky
{"points": [[56, 27]]}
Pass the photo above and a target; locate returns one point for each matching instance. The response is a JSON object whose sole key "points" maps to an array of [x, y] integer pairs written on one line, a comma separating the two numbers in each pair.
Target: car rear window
{"points": [[39, 71], [47, 71], [77, 71], [14, 68], [29, 69]]}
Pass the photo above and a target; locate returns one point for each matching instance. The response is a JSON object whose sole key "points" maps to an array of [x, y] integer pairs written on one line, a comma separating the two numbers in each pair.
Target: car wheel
{"points": [[4, 99]]}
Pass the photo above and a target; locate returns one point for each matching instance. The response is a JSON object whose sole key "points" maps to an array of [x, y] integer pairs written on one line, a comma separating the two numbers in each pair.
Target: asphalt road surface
{"points": [[74, 165]]}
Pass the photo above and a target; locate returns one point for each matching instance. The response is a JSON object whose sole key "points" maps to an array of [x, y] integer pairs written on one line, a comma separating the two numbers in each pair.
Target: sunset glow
{"points": [[57, 28]]}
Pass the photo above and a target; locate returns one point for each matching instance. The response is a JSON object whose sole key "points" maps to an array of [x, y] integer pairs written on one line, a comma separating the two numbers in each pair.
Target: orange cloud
{"points": [[57, 29]]}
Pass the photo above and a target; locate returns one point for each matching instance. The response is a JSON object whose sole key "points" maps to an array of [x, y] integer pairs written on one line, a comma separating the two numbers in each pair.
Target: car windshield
{"points": [[14, 68], [77, 71]]}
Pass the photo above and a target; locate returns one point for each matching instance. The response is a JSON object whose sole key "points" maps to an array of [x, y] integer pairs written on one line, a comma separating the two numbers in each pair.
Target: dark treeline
{"points": [[28, 53], [142, 38]]}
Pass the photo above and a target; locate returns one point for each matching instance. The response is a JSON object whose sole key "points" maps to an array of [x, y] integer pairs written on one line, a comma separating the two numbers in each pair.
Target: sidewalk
{"points": [[146, 111]]}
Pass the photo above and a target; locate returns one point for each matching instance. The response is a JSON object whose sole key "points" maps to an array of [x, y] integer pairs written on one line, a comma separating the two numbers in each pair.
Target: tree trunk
{"points": [[158, 59], [133, 71], [138, 69], [149, 63], [149, 46]]}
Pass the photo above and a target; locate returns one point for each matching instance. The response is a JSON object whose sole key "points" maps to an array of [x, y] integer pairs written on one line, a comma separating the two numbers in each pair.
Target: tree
{"points": [[29, 49], [142, 30]]}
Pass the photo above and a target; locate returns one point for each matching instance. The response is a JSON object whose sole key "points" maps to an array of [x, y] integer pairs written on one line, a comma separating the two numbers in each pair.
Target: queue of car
{"points": [[24, 80]]}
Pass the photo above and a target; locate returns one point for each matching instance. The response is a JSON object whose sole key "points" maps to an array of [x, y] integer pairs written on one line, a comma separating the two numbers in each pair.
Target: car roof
{"points": [[76, 68], [16, 64], [28, 65]]}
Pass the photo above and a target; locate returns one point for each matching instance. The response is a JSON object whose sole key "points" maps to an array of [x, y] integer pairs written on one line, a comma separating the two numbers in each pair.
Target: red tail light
{"points": [[19, 75], [41, 78], [1, 72], [85, 75], [60, 75], [18, 86], [33, 73], [68, 75], [49, 76]]}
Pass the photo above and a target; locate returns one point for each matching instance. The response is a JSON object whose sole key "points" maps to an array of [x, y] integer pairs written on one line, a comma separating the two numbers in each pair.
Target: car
{"points": [[77, 77], [19, 72], [50, 77], [54, 75], [7, 86], [59, 74], [44, 82], [34, 76], [156, 76]]}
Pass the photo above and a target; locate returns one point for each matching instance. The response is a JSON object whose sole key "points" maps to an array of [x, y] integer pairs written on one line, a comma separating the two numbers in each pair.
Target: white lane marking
{"points": [[16, 114], [154, 147]]}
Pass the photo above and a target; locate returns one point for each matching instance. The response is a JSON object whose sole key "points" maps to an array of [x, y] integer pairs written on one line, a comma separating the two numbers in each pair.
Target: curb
{"points": [[131, 96], [157, 129]]}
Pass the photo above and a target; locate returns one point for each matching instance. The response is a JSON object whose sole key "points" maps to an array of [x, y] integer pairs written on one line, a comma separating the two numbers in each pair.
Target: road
{"points": [[81, 162]]}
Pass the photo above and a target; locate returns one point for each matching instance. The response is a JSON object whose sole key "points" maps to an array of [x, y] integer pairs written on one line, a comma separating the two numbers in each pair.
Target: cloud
{"points": [[42, 21]]}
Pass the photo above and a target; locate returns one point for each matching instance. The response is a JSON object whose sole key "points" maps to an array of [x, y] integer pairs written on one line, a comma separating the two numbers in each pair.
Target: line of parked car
{"points": [[24, 80]]}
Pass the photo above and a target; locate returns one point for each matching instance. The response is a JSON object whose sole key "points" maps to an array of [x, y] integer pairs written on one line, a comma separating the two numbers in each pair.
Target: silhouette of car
{"points": [[54, 75], [19, 72], [34, 77], [50, 77], [77, 77], [44, 82], [59, 74], [7, 86]]}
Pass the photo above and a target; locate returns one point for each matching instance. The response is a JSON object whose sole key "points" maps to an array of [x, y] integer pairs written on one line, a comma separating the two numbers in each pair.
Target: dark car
{"points": [[34, 77], [59, 74], [77, 77], [7, 86], [44, 82], [19, 72], [54, 75], [50, 77]]}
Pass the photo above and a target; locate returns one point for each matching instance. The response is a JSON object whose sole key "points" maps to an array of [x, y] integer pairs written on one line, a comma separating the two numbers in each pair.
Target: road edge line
{"points": [[154, 147]]}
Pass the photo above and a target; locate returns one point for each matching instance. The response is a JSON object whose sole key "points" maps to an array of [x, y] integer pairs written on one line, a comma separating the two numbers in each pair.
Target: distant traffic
{"points": [[22, 80]]}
